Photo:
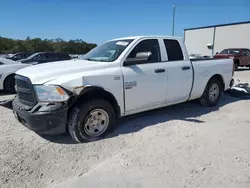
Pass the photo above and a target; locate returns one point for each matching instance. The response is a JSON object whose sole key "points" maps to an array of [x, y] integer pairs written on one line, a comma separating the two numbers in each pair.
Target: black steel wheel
{"points": [[91, 121], [211, 95]]}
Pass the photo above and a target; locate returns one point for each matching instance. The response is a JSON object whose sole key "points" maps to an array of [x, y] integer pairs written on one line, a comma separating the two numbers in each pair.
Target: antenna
{"points": [[173, 20]]}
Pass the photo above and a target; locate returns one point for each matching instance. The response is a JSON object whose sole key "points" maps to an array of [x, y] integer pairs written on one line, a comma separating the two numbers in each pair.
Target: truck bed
{"points": [[203, 70]]}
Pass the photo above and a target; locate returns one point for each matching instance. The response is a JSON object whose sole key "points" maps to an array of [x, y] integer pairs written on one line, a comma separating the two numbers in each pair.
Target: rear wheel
{"points": [[212, 93], [9, 84], [91, 121]]}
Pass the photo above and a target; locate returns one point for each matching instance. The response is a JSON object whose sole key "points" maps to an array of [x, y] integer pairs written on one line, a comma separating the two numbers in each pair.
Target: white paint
{"points": [[150, 91]]}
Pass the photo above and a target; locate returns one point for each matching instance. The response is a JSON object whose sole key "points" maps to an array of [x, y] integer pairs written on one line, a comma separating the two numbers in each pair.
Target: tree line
{"points": [[77, 46]]}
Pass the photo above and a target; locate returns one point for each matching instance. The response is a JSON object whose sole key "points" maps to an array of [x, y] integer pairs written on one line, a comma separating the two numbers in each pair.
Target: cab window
{"points": [[148, 46], [173, 50], [38, 57]]}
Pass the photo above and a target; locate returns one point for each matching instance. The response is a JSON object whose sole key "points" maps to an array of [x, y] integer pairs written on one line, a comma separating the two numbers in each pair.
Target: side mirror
{"points": [[217, 53], [210, 46], [141, 57]]}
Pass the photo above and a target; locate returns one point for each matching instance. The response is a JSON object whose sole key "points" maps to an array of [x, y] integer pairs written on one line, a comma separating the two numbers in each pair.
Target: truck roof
{"points": [[148, 36]]}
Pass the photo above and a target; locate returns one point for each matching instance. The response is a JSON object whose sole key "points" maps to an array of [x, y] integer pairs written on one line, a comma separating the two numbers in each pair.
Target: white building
{"points": [[211, 39]]}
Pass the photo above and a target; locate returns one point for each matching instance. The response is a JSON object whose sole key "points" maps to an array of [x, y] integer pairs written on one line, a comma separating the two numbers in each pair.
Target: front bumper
{"points": [[43, 118]]}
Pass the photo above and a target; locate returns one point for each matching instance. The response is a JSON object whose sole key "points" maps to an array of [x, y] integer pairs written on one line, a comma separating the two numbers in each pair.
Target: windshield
{"points": [[108, 51], [230, 51], [32, 56]]}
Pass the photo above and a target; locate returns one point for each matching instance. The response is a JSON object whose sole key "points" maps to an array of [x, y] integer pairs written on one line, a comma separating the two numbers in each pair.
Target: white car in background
{"points": [[7, 73]]}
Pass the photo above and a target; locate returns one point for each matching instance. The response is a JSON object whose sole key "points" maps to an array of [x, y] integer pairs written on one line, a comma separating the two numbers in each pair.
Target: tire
{"points": [[103, 118], [236, 65], [207, 97], [9, 84]]}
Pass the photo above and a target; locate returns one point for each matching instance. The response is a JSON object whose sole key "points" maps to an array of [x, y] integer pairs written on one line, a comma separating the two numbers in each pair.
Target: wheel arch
{"points": [[92, 92], [218, 77], [6, 77]]}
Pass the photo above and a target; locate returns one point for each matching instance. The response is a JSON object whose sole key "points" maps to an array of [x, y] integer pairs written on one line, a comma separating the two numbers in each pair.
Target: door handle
{"points": [[159, 70], [186, 68]]}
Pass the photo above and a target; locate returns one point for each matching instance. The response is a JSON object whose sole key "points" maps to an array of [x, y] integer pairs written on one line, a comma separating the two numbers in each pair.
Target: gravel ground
{"points": [[184, 145]]}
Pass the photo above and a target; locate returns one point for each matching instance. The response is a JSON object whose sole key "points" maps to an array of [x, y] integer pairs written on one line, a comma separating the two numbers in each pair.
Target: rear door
{"points": [[179, 72], [145, 82]]}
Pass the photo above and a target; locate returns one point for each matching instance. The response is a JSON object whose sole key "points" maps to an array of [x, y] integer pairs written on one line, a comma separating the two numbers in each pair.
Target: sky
{"points": [[96, 21]]}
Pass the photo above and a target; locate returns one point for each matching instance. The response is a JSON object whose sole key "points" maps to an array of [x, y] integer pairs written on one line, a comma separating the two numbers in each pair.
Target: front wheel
{"points": [[91, 121], [212, 93]]}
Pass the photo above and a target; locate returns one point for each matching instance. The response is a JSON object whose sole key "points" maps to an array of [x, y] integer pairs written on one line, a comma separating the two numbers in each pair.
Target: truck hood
{"points": [[40, 74]]}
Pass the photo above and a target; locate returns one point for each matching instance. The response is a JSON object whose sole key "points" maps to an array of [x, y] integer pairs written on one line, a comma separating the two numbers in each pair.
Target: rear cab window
{"points": [[173, 50]]}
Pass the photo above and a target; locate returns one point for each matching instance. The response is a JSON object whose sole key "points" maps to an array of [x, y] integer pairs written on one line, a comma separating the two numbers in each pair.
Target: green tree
{"points": [[77, 46]]}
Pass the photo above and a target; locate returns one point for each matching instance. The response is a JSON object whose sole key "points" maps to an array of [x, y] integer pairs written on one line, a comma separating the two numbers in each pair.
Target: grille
{"points": [[22, 84], [25, 91], [26, 97]]}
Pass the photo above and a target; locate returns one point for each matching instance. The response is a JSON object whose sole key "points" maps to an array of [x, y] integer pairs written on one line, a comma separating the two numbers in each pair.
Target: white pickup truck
{"points": [[117, 78]]}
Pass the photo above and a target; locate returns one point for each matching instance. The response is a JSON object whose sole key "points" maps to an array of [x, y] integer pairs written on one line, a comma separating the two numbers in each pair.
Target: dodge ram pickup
{"points": [[120, 77]]}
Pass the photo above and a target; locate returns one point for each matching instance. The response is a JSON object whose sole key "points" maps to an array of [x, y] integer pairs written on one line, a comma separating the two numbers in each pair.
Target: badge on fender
{"points": [[130, 85]]}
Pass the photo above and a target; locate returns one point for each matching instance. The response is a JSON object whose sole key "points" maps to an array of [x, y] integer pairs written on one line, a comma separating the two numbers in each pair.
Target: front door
{"points": [[145, 81]]}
